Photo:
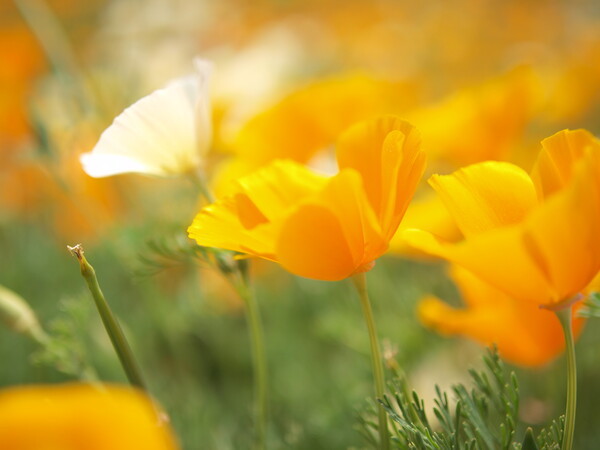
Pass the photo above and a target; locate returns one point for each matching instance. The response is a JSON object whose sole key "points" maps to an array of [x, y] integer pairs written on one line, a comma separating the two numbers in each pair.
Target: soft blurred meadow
{"points": [[481, 79]]}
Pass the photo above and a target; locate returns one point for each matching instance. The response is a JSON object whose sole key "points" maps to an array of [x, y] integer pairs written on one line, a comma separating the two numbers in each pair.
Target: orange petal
{"points": [[554, 165], [312, 244], [311, 118], [402, 165], [345, 197], [333, 234], [499, 257], [563, 234], [79, 416], [493, 113], [530, 338], [486, 195], [524, 333], [385, 151], [347, 240]]}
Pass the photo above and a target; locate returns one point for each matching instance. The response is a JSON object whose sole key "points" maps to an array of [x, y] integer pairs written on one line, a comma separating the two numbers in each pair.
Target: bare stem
{"points": [[360, 282], [111, 324], [564, 316], [255, 328]]}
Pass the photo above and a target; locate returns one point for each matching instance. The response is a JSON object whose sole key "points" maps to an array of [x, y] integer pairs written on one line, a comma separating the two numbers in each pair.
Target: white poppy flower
{"points": [[165, 133]]}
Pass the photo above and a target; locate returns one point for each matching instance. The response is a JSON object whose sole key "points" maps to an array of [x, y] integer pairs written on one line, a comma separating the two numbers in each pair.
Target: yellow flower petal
{"points": [[243, 220], [80, 417], [285, 183], [219, 225], [427, 213], [485, 196]]}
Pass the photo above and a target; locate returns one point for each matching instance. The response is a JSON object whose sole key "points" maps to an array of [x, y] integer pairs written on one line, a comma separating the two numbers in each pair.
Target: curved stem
{"points": [[259, 357], [360, 282], [564, 316]]}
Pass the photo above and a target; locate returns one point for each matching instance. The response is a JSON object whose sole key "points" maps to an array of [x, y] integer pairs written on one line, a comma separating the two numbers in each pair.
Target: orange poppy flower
{"points": [[80, 416], [326, 228], [537, 238], [524, 333]]}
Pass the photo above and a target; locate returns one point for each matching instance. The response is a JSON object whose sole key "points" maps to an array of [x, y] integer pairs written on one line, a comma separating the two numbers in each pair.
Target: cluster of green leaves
{"points": [[484, 417]]}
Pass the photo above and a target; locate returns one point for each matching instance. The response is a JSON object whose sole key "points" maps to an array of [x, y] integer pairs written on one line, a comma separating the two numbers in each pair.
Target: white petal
{"points": [[100, 165], [164, 133]]}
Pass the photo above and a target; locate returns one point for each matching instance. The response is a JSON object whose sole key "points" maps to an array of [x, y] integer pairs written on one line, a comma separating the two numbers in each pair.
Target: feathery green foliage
{"points": [[482, 417]]}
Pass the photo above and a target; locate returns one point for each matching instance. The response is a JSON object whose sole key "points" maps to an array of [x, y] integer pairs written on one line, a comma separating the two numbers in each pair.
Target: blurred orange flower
{"points": [[495, 113], [78, 417], [22, 62], [309, 120], [536, 238], [524, 333], [319, 227]]}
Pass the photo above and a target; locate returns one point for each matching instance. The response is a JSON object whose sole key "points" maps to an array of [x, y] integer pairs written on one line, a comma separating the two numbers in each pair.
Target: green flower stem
{"points": [[110, 322], [564, 316], [360, 282], [239, 279], [255, 328]]}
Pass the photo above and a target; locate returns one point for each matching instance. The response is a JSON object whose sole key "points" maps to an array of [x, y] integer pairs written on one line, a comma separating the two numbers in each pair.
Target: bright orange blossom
{"points": [[319, 227], [535, 237]]}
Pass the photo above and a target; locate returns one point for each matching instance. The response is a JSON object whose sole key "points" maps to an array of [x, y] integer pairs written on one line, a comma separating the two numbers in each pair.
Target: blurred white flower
{"points": [[165, 133]]}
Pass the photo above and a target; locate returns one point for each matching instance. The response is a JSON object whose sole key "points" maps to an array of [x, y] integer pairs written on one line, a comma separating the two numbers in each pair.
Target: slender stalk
{"points": [[360, 282], [110, 321], [564, 316], [240, 280], [255, 330]]}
